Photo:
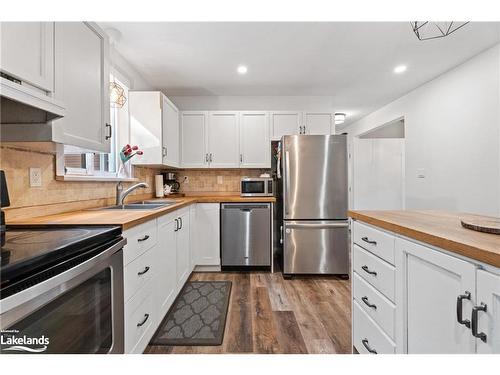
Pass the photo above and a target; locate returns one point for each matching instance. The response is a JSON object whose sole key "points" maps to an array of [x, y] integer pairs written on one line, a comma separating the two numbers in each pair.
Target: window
{"points": [[96, 165]]}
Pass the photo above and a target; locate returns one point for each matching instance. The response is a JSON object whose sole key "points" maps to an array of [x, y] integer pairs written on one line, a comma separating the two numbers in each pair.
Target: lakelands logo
{"points": [[12, 341]]}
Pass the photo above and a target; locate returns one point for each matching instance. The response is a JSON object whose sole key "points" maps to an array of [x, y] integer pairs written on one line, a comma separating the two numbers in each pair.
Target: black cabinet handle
{"points": [[367, 240], [143, 238], [367, 303], [365, 343], [176, 225], [367, 270], [146, 317], [460, 298], [110, 134], [143, 272], [180, 221], [475, 311]]}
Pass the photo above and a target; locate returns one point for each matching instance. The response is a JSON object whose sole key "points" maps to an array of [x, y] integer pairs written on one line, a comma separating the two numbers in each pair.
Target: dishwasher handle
{"points": [[246, 207]]}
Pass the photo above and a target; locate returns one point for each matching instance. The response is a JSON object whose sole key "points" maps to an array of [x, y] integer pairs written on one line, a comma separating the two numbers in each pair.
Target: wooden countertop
{"points": [[130, 218], [437, 228]]}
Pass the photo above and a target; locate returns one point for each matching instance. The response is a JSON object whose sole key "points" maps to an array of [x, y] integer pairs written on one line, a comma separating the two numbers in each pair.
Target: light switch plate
{"points": [[35, 177]]}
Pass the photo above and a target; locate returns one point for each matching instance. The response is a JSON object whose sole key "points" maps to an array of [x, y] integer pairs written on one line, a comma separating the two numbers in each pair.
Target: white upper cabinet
{"points": [[318, 123], [486, 321], [437, 287], [285, 123], [82, 83], [223, 139], [194, 152], [154, 127], [255, 146], [27, 50]]}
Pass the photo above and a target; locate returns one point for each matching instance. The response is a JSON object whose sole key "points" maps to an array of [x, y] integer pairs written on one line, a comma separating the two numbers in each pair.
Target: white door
{"points": [[27, 50], [183, 249], [170, 150], [434, 281], [145, 111], [223, 139], [206, 238], [378, 174], [193, 139], [82, 84], [318, 123], [285, 123], [488, 312], [166, 273], [255, 145]]}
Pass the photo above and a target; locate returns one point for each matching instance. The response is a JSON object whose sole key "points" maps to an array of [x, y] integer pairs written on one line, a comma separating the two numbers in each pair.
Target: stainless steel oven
{"points": [[257, 187], [74, 305]]}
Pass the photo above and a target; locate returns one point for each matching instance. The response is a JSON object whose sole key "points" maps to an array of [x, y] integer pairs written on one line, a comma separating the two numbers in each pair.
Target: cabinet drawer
{"points": [[139, 239], [379, 308], [138, 272], [140, 317], [375, 241], [375, 271], [367, 335]]}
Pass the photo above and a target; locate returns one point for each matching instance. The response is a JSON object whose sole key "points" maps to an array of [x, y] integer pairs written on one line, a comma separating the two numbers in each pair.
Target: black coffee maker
{"points": [[4, 202], [170, 178]]}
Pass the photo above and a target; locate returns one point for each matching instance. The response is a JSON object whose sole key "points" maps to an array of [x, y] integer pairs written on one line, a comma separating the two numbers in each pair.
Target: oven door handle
{"points": [[19, 305]]}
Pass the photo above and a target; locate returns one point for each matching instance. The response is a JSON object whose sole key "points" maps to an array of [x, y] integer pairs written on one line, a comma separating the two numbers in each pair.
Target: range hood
{"points": [[21, 104]]}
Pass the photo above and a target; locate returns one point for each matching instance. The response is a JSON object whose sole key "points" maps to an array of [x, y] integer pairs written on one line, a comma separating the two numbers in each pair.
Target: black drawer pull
{"points": [[460, 298], [367, 240], [146, 317], [143, 238], [365, 343], [143, 272], [475, 311], [367, 303], [367, 270]]}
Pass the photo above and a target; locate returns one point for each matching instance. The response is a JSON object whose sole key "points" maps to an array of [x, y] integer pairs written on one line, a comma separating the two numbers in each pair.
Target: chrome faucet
{"points": [[122, 194]]}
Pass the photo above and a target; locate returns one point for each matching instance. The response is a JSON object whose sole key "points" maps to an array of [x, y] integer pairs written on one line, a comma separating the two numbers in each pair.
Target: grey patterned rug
{"points": [[198, 316]]}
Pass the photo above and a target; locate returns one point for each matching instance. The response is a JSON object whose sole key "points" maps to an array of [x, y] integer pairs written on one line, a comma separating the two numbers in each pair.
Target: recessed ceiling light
{"points": [[339, 118], [400, 69], [242, 69]]}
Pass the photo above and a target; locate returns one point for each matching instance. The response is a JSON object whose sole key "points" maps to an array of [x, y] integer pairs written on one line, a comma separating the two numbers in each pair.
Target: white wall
{"points": [[127, 71], [453, 133]]}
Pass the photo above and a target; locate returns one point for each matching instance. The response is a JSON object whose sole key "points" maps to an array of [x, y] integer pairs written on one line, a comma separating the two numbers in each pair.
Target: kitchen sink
{"points": [[138, 206]]}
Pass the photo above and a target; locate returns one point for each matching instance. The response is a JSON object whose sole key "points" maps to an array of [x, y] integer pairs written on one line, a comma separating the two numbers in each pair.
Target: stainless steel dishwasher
{"points": [[246, 234]]}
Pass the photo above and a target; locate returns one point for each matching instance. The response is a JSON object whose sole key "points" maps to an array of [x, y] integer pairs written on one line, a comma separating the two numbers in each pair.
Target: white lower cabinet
{"points": [[486, 313], [183, 258], [205, 234]]}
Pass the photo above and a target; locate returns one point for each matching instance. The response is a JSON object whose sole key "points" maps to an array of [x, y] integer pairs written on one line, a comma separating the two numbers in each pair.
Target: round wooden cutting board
{"points": [[485, 224]]}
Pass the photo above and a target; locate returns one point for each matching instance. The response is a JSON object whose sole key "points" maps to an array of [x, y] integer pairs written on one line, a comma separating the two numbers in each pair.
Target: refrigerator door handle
{"points": [[287, 181], [318, 225]]}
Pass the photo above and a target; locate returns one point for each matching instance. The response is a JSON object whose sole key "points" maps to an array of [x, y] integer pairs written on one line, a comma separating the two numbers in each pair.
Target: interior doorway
{"points": [[379, 168]]}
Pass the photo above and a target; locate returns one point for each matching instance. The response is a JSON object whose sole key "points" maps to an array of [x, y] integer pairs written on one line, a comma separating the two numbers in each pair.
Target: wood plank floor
{"points": [[268, 314]]}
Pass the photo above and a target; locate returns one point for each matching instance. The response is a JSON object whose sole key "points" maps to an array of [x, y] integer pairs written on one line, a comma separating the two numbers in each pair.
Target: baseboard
{"points": [[207, 269]]}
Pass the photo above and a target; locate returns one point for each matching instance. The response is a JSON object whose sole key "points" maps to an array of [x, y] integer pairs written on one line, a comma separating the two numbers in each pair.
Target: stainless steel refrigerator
{"points": [[315, 224]]}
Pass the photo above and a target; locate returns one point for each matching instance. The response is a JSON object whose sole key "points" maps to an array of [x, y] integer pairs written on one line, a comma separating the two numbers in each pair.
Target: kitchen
{"points": [[165, 191]]}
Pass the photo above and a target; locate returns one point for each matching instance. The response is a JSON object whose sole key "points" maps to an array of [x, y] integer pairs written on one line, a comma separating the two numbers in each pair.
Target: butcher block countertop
{"points": [[130, 218], [437, 228]]}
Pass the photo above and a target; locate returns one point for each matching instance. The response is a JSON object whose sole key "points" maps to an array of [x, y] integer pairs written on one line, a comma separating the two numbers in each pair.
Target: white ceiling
{"points": [[351, 62]]}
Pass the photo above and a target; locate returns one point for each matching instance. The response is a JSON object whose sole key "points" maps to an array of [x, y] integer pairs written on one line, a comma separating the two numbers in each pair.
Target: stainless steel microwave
{"points": [[257, 187]]}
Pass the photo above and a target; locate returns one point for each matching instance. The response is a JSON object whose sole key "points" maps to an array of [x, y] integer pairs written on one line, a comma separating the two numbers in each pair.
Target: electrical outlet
{"points": [[35, 177], [186, 180], [219, 180]]}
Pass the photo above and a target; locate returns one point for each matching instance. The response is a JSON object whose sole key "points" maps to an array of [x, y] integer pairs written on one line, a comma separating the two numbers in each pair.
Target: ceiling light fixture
{"points": [[425, 30], [339, 118], [400, 69], [242, 69]]}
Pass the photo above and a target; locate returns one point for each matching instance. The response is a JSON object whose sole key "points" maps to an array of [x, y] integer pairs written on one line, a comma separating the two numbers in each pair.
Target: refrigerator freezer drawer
{"points": [[246, 234], [316, 247]]}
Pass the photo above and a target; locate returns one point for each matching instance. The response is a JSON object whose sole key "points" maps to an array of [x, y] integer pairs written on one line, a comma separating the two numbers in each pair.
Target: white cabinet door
{"points": [[165, 275], [488, 312], [206, 235], [318, 123], [170, 149], [183, 249], [194, 153], [223, 139], [27, 50], [145, 109], [255, 146], [433, 282], [82, 83], [285, 123]]}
